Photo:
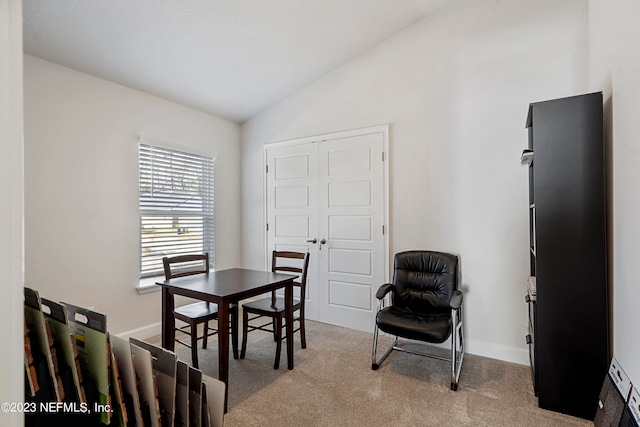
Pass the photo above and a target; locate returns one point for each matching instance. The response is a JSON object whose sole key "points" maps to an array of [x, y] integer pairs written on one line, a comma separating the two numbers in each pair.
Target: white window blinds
{"points": [[176, 206]]}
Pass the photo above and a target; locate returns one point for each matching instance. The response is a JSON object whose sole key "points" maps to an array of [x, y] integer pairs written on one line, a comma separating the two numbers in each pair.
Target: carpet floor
{"points": [[333, 385]]}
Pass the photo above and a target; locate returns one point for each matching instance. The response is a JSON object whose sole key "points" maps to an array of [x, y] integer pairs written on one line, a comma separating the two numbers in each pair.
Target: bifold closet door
{"points": [[327, 197]]}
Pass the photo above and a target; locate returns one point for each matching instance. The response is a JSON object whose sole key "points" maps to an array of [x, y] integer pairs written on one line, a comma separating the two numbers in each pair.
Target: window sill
{"points": [[148, 285]]}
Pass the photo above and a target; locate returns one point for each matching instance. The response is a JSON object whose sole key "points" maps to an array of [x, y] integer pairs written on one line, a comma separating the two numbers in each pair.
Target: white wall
{"points": [[455, 88], [614, 67], [11, 210], [81, 187]]}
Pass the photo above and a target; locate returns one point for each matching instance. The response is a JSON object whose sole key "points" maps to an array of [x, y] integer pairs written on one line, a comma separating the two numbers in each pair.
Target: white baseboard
{"points": [[498, 351], [478, 347], [143, 332]]}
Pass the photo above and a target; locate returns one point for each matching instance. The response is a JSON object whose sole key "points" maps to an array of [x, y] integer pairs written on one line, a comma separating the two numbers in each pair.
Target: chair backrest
{"points": [[425, 280], [185, 265], [285, 262]]}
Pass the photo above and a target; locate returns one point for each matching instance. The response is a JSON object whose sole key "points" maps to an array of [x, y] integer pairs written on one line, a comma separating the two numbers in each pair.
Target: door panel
{"points": [[332, 191], [350, 295], [292, 197], [350, 261], [291, 226], [292, 209], [351, 216], [290, 167], [345, 161], [350, 227], [349, 193]]}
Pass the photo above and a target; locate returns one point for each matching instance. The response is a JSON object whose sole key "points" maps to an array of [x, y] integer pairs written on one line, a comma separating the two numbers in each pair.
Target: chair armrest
{"points": [[456, 300], [384, 290]]}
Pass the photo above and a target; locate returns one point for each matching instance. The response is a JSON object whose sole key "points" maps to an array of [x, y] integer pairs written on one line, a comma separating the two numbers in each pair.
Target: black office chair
{"points": [[273, 307], [198, 312], [426, 305]]}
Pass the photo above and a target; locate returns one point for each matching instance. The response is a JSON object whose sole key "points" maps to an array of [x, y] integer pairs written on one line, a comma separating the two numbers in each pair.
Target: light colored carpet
{"points": [[332, 384]]}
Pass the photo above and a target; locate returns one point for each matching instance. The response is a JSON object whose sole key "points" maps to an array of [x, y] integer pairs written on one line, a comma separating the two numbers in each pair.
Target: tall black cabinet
{"points": [[567, 292]]}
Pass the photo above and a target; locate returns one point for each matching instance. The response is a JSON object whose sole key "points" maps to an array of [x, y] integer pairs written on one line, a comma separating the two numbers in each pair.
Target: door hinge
{"points": [[383, 229], [267, 226], [266, 167], [383, 156]]}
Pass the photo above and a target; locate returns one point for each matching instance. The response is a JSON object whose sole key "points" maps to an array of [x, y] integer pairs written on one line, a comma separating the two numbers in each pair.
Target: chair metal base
{"points": [[457, 350]]}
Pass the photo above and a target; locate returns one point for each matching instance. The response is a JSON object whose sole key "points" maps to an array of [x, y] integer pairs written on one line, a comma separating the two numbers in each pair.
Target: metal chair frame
{"points": [[457, 346]]}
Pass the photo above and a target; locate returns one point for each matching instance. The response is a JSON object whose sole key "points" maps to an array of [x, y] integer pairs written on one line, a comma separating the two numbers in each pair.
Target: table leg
{"points": [[288, 295], [168, 322], [223, 348], [234, 329]]}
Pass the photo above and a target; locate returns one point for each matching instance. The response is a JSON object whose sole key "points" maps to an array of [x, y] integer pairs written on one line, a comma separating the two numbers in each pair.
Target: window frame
{"points": [[147, 283]]}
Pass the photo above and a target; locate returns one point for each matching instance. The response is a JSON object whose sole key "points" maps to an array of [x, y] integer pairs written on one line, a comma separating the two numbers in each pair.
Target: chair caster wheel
{"points": [[454, 386], [374, 366]]}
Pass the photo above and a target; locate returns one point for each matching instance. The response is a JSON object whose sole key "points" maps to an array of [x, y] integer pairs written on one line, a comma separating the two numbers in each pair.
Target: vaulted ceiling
{"points": [[230, 58]]}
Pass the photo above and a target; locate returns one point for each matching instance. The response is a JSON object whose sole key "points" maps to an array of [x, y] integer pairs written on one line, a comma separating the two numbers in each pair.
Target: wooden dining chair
{"points": [[274, 306], [199, 312]]}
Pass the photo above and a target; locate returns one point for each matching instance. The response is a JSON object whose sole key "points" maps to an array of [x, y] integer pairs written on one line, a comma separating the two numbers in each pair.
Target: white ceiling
{"points": [[231, 58]]}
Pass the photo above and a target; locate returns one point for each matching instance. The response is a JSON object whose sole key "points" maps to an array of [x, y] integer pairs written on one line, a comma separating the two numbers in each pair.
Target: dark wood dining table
{"points": [[225, 287]]}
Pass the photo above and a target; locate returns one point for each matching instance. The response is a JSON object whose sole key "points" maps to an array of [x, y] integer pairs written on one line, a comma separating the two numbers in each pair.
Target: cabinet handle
{"points": [[314, 241]]}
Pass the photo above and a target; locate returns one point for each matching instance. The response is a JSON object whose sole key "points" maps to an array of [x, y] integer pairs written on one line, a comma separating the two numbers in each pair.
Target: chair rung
{"points": [[183, 343], [264, 327], [267, 327], [187, 330], [260, 328]]}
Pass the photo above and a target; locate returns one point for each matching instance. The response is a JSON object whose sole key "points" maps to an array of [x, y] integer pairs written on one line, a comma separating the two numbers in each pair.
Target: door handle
{"points": [[322, 242], [314, 240]]}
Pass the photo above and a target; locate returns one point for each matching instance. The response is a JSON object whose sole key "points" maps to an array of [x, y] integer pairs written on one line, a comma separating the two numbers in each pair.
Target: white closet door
{"points": [[332, 191], [292, 208], [351, 219]]}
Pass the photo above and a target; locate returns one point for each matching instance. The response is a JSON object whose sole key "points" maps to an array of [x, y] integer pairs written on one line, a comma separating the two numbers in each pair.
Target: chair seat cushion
{"points": [[197, 311], [434, 327], [265, 305]]}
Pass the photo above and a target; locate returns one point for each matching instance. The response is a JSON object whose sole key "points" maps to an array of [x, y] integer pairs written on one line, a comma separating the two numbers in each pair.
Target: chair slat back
{"points": [[425, 280], [285, 262], [185, 265]]}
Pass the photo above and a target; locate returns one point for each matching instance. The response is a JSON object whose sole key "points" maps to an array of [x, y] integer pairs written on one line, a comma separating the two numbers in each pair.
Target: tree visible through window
{"points": [[176, 206]]}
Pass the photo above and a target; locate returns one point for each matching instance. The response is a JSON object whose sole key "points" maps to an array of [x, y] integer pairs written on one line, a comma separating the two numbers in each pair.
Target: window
{"points": [[176, 205]]}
